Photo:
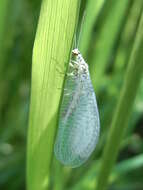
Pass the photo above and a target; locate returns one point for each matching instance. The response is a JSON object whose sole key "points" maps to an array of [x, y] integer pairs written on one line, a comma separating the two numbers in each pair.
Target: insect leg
{"points": [[70, 74], [71, 65], [75, 63]]}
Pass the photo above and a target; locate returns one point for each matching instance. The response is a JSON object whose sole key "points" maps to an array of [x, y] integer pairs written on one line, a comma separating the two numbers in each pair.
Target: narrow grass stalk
{"points": [[120, 119], [128, 36], [3, 14], [129, 165], [120, 169], [4, 6], [91, 14], [106, 38], [51, 52], [59, 178]]}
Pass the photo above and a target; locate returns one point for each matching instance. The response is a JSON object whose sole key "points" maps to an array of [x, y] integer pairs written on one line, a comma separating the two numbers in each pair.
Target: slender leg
{"points": [[71, 65], [74, 62], [70, 74]]}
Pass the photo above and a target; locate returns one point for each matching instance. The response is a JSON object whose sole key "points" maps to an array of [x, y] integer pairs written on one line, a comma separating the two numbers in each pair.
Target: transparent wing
{"points": [[79, 122]]}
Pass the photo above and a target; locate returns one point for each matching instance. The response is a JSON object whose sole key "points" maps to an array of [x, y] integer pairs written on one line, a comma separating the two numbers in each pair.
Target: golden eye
{"points": [[75, 52]]}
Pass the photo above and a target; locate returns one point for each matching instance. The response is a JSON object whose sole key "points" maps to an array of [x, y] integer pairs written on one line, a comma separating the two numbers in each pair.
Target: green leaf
{"points": [[122, 113], [91, 14], [3, 15], [51, 53], [113, 17]]}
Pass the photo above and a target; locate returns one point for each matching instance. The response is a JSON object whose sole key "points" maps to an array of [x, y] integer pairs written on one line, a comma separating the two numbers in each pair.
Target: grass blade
{"points": [[120, 119], [51, 52], [3, 14], [92, 11], [103, 46]]}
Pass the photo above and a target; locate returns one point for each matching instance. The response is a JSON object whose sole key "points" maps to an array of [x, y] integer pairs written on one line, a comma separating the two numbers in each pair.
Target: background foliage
{"points": [[107, 37]]}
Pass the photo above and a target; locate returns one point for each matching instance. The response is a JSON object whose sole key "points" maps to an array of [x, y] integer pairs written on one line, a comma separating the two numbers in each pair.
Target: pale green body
{"points": [[79, 124]]}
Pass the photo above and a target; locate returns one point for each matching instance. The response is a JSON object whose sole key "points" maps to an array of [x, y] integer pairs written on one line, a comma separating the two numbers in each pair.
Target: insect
{"points": [[79, 123]]}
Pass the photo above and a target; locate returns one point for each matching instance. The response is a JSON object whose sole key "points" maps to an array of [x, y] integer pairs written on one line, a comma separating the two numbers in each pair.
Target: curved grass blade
{"points": [[51, 53], [119, 124]]}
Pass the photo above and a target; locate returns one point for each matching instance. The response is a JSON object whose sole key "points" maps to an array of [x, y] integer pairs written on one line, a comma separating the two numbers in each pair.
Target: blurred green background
{"points": [[107, 37]]}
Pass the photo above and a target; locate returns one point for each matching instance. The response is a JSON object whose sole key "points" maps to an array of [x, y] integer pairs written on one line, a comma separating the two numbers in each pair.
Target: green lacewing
{"points": [[79, 123]]}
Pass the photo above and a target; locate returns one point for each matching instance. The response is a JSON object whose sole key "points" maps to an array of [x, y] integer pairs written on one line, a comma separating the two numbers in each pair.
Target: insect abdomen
{"points": [[78, 132]]}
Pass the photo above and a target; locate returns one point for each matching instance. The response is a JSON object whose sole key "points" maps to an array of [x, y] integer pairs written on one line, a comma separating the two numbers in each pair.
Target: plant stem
{"points": [[3, 15], [4, 5], [103, 45], [120, 119], [92, 11]]}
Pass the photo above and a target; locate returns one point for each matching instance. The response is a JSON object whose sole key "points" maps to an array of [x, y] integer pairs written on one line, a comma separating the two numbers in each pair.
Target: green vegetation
{"points": [[50, 57], [31, 84]]}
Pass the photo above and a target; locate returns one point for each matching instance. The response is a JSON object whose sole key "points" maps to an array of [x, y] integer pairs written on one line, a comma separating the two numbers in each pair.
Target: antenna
{"points": [[77, 41], [80, 29]]}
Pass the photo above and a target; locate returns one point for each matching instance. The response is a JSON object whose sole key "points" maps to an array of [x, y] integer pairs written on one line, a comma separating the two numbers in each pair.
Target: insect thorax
{"points": [[78, 63]]}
